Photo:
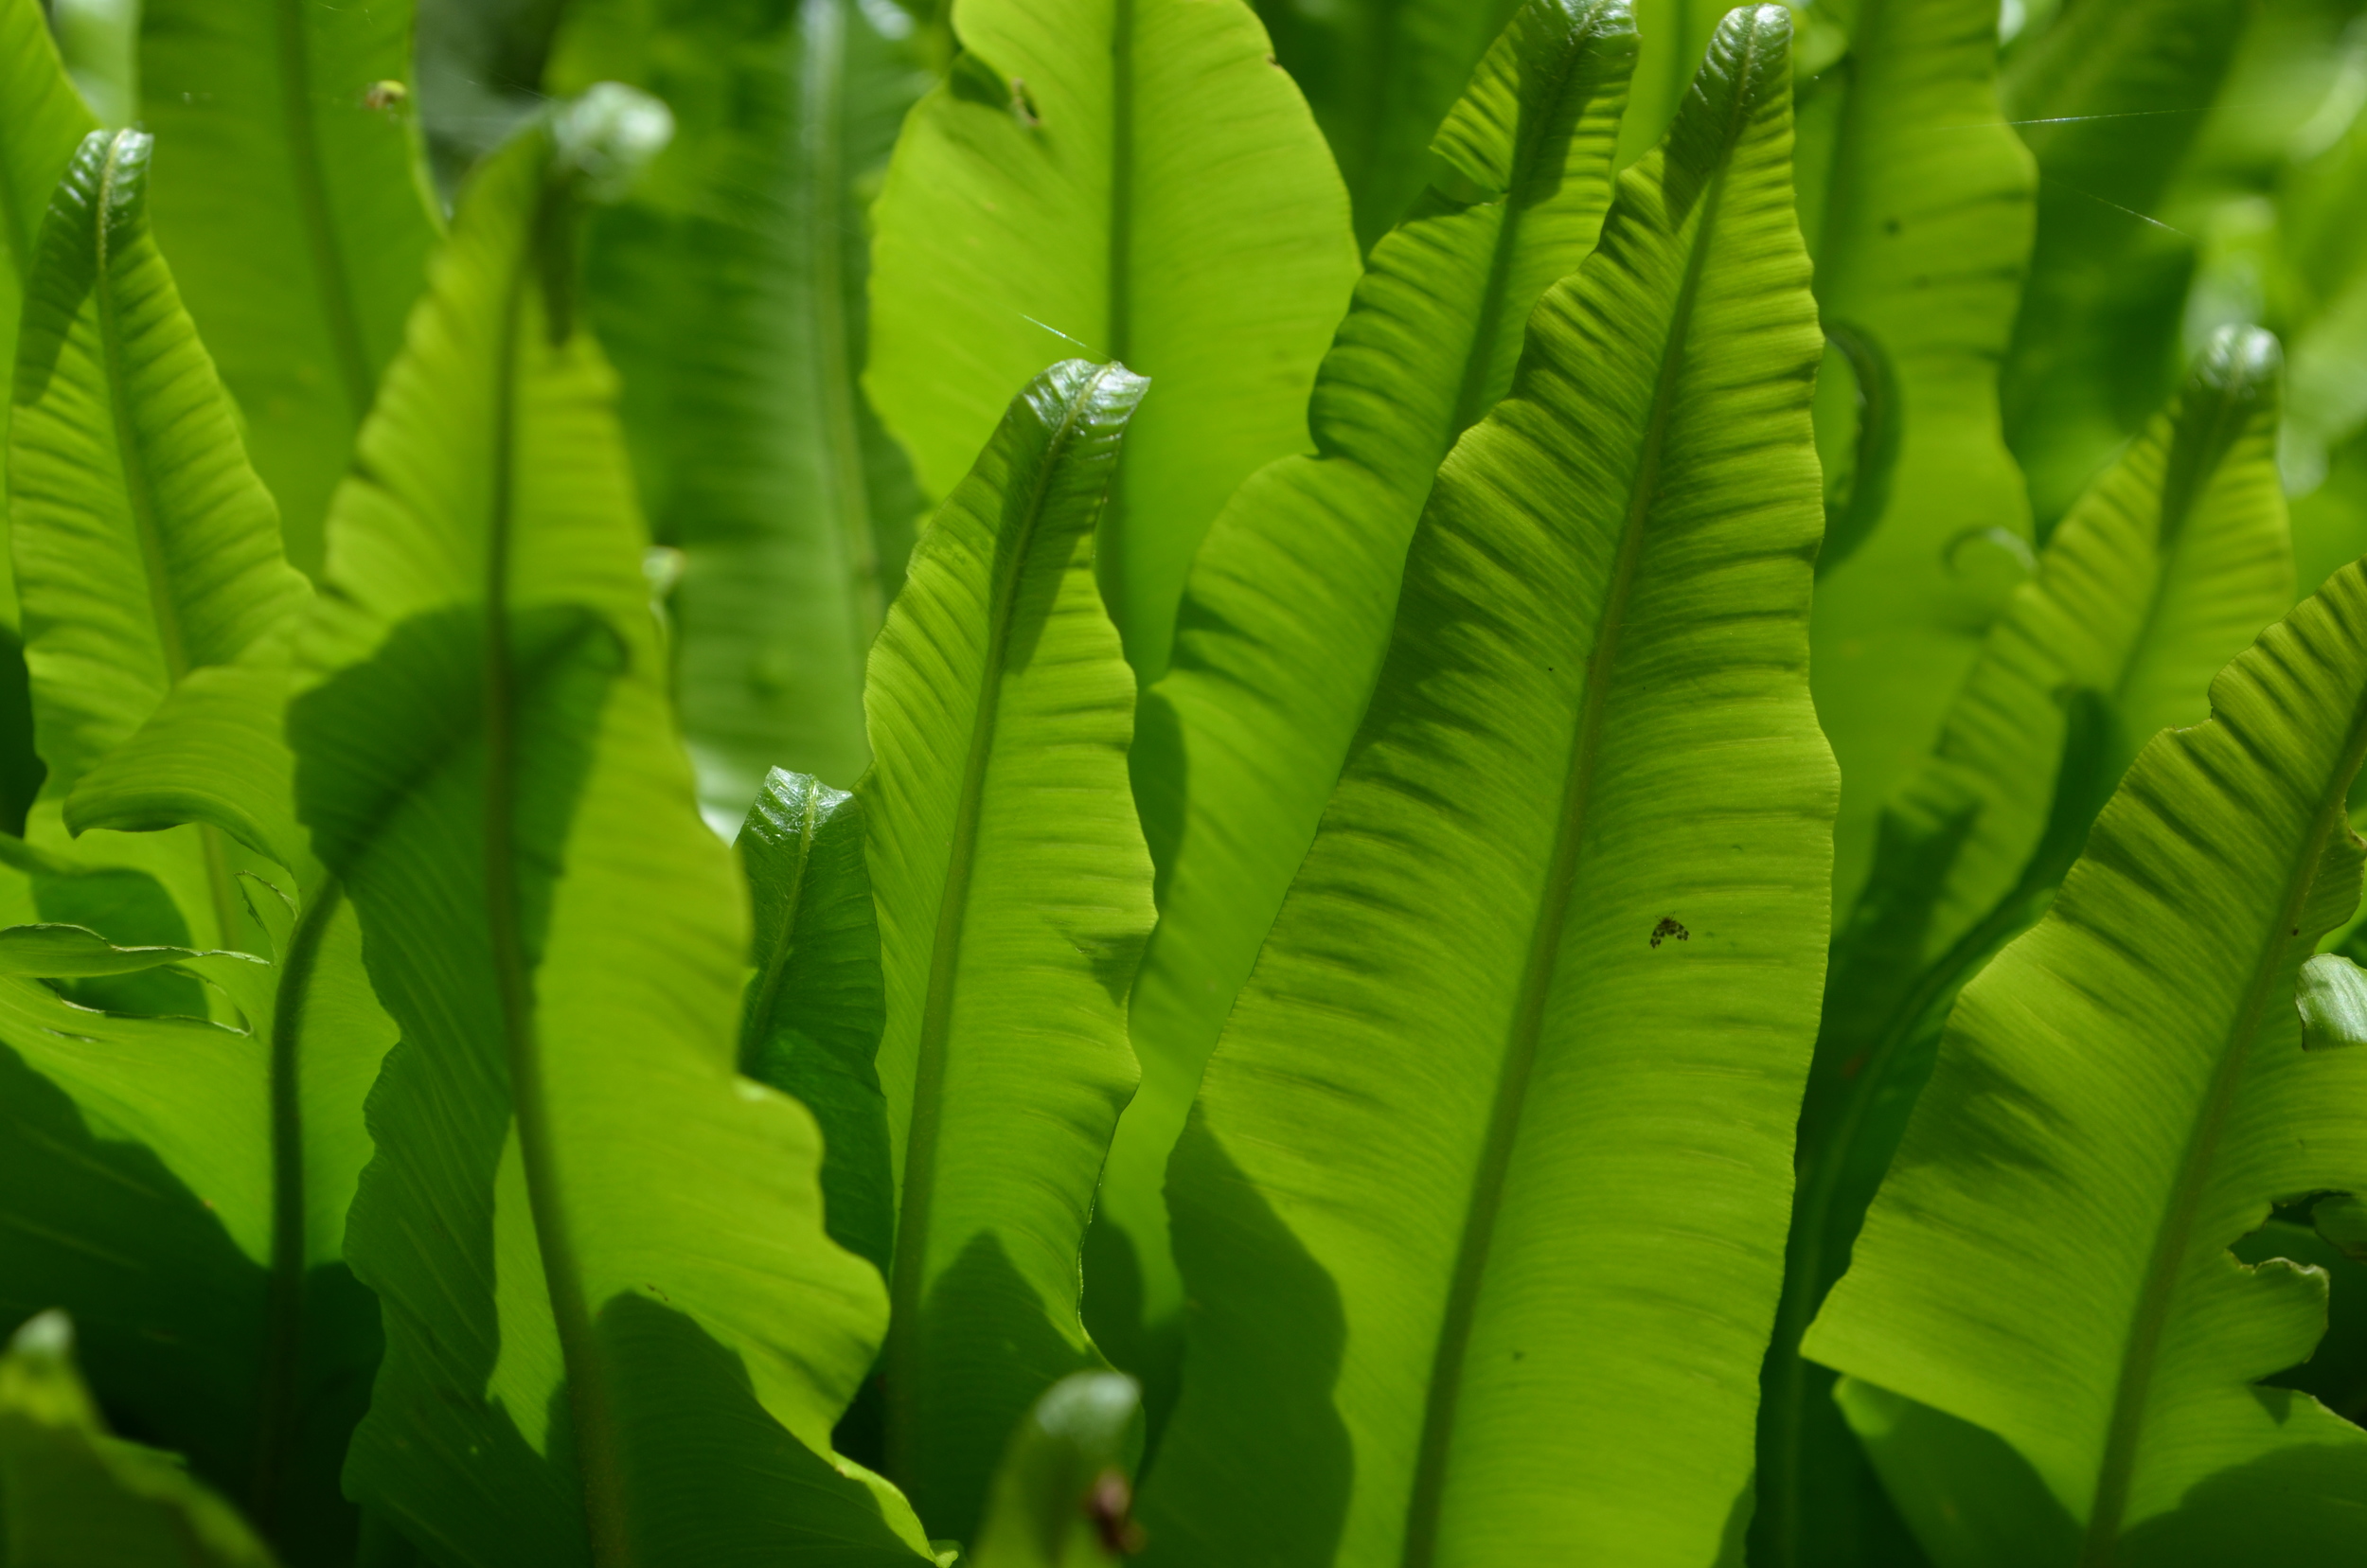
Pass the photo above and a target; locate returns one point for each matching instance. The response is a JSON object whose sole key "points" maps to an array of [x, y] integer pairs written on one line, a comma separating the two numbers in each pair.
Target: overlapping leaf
{"points": [[616, 1331], [2133, 1069], [290, 193], [2168, 568], [730, 290], [1138, 181], [1014, 896], [815, 1006], [1477, 1203], [1379, 74], [1287, 612], [1924, 237]]}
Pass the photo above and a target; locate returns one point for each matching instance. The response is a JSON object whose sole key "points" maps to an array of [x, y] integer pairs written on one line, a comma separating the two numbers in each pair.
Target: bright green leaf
{"points": [[70, 951], [291, 191], [2118, 1346], [616, 1329], [71, 1495], [1287, 612], [1014, 896], [2166, 568], [1479, 1203], [144, 546], [1140, 181]]}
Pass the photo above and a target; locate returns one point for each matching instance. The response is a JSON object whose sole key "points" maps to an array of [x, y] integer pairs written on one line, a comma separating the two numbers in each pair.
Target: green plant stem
{"points": [[589, 1401], [283, 1313]]}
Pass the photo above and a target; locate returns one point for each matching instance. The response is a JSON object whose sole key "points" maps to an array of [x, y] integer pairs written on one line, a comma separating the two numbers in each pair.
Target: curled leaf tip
{"points": [[609, 134], [45, 1336], [2332, 995], [2240, 363]]}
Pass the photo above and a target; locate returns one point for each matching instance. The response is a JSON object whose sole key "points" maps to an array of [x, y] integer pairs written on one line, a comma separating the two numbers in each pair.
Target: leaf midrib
{"points": [[1434, 1455], [2116, 1470], [140, 497], [910, 1259], [283, 1310], [1812, 1214]]}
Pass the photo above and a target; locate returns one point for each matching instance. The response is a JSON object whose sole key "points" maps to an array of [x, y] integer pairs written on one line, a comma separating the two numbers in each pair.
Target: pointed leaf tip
{"points": [[1749, 61]]}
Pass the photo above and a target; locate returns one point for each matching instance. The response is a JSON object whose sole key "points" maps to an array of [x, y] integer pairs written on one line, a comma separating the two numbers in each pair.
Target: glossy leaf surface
{"points": [[1478, 1199], [815, 1008], [616, 1331], [1014, 896], [2168, 568], [2119, 1347], [1140, 181], [291, 191], [1287, 612], [729, 289]]}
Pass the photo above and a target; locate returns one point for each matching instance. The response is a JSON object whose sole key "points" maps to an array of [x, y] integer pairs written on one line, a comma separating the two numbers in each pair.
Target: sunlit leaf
{"points": [[1287, 612], [1478, 1204], [1014, 896], [2118, 1346], [290, 193], [616, 1329], [1139, 183]]}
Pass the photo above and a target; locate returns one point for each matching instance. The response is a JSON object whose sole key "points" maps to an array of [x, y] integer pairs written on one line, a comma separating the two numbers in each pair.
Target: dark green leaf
{"points": [[815, 1008]]}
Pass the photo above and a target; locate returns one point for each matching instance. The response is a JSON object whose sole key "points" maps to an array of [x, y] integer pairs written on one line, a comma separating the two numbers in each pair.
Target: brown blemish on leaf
{"points": [[1670, 927]]}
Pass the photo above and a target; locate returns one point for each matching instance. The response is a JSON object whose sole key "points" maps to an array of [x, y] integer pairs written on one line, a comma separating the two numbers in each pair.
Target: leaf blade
{"points": [[1440, 975], [1009, 930]]}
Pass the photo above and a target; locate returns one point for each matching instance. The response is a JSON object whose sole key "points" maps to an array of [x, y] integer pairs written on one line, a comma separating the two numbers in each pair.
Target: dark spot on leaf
{"points": [[1670, 927], [1890, 225], [1110, 1505], [1520, 1355], [1855, 1065]]}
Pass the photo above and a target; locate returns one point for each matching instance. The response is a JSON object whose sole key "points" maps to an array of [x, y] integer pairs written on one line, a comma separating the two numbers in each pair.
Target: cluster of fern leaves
{"points": [[1391, 783]]}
